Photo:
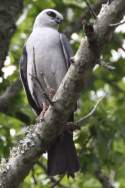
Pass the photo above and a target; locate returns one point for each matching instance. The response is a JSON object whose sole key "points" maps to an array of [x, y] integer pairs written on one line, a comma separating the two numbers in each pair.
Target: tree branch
{"points": [[90, 9], [76, 25], [27, 152], [82, 121], [9, 93], [53, 180], [6, 102], [117, 24], [106, 181]]}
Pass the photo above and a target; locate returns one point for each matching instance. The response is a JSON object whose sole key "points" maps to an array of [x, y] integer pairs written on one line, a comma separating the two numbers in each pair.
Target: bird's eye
{"points": [[51, 14]]}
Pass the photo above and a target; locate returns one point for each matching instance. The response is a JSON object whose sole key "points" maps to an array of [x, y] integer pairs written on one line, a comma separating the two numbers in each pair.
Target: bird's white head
{"points": [[48, 18]]}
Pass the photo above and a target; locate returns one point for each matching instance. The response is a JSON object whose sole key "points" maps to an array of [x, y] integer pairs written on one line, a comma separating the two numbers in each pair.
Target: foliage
{"points": [[101, 141]]}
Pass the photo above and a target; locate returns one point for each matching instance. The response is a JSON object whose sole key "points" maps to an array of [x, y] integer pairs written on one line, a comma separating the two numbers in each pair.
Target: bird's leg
{"points": [[51, 93], [46, 91], [45, 108], [41, 115]]}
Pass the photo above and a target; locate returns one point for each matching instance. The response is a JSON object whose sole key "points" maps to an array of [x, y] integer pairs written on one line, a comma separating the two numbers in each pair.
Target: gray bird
{"points": [[45, 61]]}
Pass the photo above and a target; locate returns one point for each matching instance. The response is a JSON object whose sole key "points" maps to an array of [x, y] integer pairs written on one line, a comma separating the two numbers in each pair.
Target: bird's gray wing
{"points": [[66, 48], [23, 73], [67, 51]]}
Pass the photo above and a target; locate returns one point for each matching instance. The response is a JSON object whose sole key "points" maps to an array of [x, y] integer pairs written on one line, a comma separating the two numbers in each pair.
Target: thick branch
{"points": [[76, 25], [9, 93], [23, 157]]}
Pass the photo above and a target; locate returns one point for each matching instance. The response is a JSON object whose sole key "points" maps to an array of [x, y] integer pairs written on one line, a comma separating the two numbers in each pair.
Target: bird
{"points": [[44, 62]]}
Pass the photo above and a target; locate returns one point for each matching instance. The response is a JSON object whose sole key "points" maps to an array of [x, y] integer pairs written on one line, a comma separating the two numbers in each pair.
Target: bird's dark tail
{"points": [[62, 157]]}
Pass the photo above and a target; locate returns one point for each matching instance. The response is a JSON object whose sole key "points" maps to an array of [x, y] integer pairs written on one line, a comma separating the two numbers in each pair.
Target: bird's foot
{"points": [[41, 115], [51, 93]]}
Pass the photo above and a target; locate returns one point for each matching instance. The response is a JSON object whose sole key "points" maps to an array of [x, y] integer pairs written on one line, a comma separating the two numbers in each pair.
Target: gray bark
{"points": [[26, 153]]}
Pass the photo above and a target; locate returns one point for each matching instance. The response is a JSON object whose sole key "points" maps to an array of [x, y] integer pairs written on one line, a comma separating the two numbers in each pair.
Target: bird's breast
{"points": [[49, 59]]}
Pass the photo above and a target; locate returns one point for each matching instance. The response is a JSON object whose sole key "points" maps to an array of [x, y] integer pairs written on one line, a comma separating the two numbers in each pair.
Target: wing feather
{"points": [[23, 73], [66, 48]]}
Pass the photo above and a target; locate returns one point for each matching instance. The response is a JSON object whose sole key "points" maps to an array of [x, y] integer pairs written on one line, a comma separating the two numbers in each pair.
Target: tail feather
{"points": [[62, 157]]}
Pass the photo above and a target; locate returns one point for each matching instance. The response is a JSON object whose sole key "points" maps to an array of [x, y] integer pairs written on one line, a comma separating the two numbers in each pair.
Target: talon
{"points": [[40, 118], [51, 93]]}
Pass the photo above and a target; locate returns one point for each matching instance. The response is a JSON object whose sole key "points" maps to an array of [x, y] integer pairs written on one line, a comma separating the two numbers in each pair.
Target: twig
{"points": [[82, 120], [33, 176], [92, 12], [106, 181], [122, 48], [117, 24], [108, 2], [57, 182], [78, 124], [108, 66], [54, 181]]}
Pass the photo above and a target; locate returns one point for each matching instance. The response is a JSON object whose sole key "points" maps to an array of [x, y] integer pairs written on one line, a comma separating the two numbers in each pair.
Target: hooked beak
{"points": [[59, 20]]}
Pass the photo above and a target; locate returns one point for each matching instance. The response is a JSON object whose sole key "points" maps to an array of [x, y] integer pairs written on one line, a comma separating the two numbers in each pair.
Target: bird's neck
{"points": [[36, 25]]}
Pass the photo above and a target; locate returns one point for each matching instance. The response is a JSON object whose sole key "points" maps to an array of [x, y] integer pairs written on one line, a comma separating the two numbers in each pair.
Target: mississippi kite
{"points": [[47, 56]]}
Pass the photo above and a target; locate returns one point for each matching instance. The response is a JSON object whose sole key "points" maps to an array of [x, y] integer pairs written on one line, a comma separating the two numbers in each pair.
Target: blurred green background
{"points": [[101, 141]]}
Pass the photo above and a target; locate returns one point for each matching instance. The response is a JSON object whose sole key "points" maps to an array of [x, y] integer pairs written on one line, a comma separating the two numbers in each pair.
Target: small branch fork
{"points": [[78, 124], [89, 30], [92, 12], [55, 182], [117, 24], [82, 120], [107, 66]]}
